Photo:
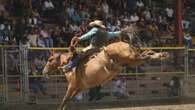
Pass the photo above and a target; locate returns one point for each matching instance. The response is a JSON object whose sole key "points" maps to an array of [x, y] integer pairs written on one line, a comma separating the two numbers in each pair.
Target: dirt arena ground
{"points": [[52, 107], [111, 106]]}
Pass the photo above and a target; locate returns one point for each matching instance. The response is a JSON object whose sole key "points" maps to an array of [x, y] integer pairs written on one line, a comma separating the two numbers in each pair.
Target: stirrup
{"points": [[65, 70]]}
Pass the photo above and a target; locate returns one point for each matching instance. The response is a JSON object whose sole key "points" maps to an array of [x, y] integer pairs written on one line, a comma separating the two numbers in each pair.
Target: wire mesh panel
{"points": [[190, 75], [12, 75], [2, 96], [191, 62]]}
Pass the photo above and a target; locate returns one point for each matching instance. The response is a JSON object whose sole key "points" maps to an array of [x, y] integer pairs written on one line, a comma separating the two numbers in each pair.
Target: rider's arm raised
{"points": [[113, 34], [89, 34]]}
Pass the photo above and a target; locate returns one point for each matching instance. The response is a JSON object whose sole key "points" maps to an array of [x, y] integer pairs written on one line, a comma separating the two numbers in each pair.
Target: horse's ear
{"points": [[52, 52]]}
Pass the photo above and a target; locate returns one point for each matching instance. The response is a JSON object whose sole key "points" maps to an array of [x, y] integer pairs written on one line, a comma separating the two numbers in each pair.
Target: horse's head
{"points": [[56, 60], [156, 55], [52, 64]]}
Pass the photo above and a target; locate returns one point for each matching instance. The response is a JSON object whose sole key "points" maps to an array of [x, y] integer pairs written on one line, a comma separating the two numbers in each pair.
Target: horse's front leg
{"points": [[70, 93]]}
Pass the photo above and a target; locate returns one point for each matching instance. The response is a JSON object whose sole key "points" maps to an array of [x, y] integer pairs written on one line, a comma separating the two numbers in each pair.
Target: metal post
{"points": [[21, 75], [186, 75], [161, 63], [5, 76], [25, 72]]}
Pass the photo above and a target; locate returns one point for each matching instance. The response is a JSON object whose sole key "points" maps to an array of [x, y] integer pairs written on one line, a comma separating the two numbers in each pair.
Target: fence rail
{"points": [[143, 82]]}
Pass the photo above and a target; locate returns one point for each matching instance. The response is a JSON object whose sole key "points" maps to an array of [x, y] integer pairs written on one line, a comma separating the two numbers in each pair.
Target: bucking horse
{"points": [[100, 68]]}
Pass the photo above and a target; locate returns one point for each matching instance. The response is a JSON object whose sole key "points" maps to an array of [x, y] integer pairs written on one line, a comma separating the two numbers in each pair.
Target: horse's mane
{"points": [[132, 39]]}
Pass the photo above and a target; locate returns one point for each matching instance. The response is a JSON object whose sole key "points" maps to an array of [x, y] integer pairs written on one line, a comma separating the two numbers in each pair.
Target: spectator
{"points": [[119, 89], [74, 28], [40, 42], [46, 35], [174, 86], [85, 14], [2, 35], [70, 10], [105, 9], [48, 5], [188, 40], [185, 24], [95, 94], [79, 97], [57, 37], [33, 21], [66, 36], [140, 4], [169, 13], [45, 12], [33, 37], [48, 9], [147, 15], [7, 33], [76, 17], [134, 18], [36, 82]]}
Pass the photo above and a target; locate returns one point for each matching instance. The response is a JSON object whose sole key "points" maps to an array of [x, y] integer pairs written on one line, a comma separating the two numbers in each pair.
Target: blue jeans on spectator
{"points": [[37, 87], [48, 42]]}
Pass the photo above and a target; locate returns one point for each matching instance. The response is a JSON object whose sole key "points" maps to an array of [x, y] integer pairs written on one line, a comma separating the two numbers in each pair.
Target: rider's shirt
{"points": [[99, 37]]}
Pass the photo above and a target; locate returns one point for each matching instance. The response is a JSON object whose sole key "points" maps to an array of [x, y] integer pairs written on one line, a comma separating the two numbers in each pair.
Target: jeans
{"points": [[48, 42], [37, 86], [74, 62]]}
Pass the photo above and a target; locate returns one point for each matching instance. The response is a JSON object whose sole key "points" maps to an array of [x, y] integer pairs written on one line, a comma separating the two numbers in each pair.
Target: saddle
{"points": [[80, 68], [89, 54], [84, 56]]}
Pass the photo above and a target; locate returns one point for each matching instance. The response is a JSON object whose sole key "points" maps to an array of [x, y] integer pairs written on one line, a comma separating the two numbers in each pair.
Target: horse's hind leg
{"points": [[71, 92]]}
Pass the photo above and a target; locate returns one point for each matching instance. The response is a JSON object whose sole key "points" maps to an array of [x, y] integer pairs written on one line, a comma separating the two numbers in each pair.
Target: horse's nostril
{"points": [[151, 53]]}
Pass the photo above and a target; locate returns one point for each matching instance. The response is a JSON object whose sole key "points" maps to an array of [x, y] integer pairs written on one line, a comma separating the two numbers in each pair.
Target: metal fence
{"points": [[21, 80], [2, 98]]}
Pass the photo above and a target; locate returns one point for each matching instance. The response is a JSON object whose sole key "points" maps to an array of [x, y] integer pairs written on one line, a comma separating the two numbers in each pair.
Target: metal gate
{"points": [[14, 62]]}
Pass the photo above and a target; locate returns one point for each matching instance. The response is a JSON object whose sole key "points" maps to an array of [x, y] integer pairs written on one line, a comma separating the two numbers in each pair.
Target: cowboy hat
{"points": [[97, 23]]}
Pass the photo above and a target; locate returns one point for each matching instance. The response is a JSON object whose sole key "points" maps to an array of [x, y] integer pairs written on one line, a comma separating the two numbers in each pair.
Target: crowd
{"points": [[52, 23]]}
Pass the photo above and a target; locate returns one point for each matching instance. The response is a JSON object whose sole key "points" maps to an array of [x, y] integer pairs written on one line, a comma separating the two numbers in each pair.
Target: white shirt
{"points": [[119, 86], [147, 15], [140, 4], [48, 4], [169, 12], [134, 18], [105, 7], [185, 24]]}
